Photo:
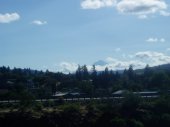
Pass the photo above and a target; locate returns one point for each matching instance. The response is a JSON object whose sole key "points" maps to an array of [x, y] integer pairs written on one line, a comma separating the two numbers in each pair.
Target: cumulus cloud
{"points": [[141, 8], [111, 63], [153, 58], [96, 4], [138, 60], [39, 22], [155, 39], [152, 40], [67, 67], [9, 17], [164, 13], [116, 64]]}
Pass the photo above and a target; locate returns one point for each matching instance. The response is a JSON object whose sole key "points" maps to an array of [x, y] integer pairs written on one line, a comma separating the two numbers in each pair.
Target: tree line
{"points": [[132, 111], [91, 82]]}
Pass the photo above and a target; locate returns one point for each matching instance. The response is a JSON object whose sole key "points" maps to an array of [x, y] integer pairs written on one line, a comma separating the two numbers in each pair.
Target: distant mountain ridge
{"points": [[100, 63], [140, 71], [162, 67]]}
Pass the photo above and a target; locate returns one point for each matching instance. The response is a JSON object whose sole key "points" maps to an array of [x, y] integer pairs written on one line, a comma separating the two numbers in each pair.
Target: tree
{"points": [[160, 80], [147, 70], [94, 72], [94, 76], [85, 72], [118, 122], [78, 73], [146, 76], [130, 103], [130, 73]]}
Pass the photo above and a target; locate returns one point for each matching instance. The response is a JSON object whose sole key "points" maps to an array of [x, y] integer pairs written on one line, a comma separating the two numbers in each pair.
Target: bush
{"points": [[118, 122], [130, 105], [165, 120], [135, 123], [38, 106]]}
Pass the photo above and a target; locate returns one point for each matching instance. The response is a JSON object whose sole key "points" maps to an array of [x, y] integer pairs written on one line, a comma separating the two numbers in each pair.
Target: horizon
{"points": [[89, 69], [60, 35]]}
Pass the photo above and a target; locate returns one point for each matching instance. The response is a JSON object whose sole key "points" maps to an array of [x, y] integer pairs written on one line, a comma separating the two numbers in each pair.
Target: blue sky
{"points": [[58, 35]]}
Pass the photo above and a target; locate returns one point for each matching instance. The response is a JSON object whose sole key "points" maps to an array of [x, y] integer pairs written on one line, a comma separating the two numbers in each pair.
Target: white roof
{"points": [[119, 92], [143, 92], [146, 92], [59, 94]]}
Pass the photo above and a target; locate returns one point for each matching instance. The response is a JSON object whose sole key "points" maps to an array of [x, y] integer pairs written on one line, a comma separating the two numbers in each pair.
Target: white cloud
{"points": [[162, 40], [155, 40], [111, 63], [67, 67], [152, 40], [116, 64], [39, 22], [110, 60], [164, 13], [137, 60], [141, 8], [96, 4], [7, 18], [153, 58]]}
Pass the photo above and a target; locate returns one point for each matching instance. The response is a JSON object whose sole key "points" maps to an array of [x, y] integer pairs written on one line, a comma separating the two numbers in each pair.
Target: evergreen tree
{"points": [[130, 73], [85, 72], [94, 76], [94, 72], [78, 73]]}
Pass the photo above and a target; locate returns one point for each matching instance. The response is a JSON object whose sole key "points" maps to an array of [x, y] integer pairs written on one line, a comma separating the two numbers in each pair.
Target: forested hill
{"points": [[45, 84], [164, 67]]}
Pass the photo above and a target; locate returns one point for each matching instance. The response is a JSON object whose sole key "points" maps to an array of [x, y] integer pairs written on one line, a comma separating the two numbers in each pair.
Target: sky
{"points": [[60, 34]]}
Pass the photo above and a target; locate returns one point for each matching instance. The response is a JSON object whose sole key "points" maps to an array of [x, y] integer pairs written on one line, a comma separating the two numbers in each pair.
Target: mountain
{"points": [[162, 67], [100, 63]]}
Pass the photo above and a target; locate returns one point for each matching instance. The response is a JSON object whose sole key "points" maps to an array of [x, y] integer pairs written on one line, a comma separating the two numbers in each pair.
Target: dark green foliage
{"points": [[118, 122], [92, 83], [27, 85], [131, 101], [134, 123], [139, 113]]}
